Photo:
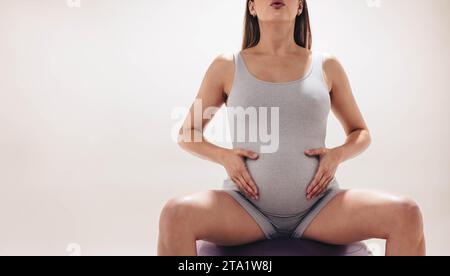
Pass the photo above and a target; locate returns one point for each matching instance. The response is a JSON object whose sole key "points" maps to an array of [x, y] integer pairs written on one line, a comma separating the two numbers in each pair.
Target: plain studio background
{"points": [[87, 95]]}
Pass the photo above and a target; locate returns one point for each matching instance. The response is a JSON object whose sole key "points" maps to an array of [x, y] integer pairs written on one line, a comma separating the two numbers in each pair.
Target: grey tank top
{"points": [[280, 121]]}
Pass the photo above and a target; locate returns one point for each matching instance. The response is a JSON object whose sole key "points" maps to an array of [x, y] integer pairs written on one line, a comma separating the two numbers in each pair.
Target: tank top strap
{"points": [[318, 63], [239, 68], [237, 65]]}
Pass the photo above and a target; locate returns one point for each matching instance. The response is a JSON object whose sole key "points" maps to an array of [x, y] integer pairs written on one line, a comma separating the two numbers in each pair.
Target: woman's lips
{"points": [[277, 4]]}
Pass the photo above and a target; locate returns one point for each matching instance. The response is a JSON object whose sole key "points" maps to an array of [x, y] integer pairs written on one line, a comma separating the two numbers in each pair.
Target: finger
{"points": [[244, 186], [324, 180], [314, 192], [313, 152], [317, 187], [248, 178], [248, 187], [324, 186], [239, 185], [250, 181], [248, 153], [315, 181]]}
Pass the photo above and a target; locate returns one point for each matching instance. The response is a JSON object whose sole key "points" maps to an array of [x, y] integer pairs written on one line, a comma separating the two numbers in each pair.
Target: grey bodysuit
{"points": [[282, 175]]}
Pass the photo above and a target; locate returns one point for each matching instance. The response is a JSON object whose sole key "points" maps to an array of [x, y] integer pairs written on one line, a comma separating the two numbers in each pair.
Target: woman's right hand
{"points": [[234, 163]]}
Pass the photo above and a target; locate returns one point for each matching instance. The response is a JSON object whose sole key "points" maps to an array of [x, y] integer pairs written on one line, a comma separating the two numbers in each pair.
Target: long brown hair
{"points": [[302, 31]]}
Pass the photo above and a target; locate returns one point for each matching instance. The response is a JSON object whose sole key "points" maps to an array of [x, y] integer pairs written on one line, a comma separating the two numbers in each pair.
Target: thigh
{"points": [[352, 216], [217, 217]]}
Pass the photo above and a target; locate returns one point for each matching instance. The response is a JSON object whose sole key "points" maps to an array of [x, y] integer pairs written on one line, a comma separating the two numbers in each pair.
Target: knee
{"points": [[175, 215], [408, 216]]}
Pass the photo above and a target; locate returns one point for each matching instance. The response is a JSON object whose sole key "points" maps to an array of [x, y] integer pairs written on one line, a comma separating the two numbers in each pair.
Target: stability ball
{"points": [[283, 247]]}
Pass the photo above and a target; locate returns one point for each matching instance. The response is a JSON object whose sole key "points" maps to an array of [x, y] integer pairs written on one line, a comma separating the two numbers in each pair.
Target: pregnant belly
{"points": [[282, 182]]}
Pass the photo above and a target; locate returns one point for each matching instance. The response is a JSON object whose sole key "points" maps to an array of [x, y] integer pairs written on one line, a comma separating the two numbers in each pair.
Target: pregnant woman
{"points": [[282, 181]]}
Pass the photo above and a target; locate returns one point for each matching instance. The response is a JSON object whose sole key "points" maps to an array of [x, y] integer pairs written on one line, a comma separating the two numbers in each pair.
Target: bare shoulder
{"points": [[223, 62], [334, 72], [221, 66], [331, 62], [218, 77], [226, 57], [222, 70]]}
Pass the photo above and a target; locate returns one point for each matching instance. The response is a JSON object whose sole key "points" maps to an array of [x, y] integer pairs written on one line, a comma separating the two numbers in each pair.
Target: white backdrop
{"points": [[87, 92]]}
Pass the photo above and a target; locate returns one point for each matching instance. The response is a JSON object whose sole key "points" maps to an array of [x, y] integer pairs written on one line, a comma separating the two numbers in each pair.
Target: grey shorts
{"points": [[276, 226]]}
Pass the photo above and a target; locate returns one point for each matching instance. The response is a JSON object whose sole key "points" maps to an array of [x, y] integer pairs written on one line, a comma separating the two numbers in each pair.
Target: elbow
{"points": [[186, 137], [180, 143], [363, 135]]}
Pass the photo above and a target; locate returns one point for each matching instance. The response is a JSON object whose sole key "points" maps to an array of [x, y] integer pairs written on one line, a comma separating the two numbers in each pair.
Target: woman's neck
{"points": [[276, 38]]}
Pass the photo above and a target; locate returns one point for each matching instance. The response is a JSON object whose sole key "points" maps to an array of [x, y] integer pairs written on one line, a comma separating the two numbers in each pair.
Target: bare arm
{"points": [[210, 98], [346, 110]]}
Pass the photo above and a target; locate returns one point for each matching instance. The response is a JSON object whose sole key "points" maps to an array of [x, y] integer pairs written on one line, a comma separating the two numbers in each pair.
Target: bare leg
{"points": [[212, 216], [357, 215]]}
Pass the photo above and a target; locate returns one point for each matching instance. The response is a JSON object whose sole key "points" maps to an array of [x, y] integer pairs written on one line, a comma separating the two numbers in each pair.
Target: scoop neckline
{"points": [[307, 74]]}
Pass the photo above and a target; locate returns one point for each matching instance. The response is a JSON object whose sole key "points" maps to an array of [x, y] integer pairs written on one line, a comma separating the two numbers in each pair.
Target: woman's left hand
{"points": [[329, 162]]}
